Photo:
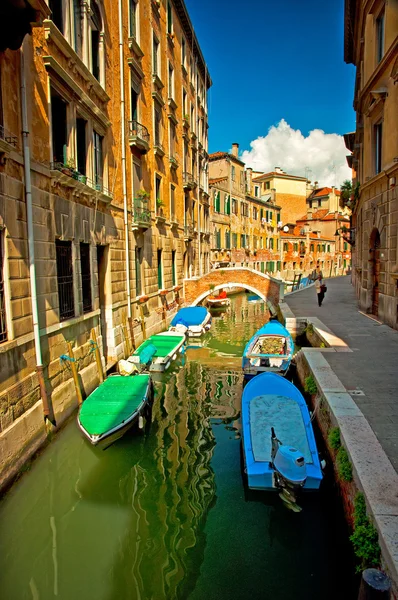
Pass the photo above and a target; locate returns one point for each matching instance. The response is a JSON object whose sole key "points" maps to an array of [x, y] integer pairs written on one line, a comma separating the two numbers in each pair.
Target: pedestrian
{"points": [[319, 290]]}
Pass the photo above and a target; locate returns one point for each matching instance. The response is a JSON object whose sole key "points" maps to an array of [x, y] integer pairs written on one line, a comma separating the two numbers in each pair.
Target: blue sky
{"points": [[271, 61]]}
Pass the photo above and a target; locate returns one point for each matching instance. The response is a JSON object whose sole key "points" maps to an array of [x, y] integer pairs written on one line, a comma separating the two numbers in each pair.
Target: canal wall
{"points": [[372, 472], [22, 437]]}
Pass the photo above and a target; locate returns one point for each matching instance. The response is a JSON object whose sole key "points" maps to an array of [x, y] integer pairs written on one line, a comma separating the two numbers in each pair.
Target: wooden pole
{"points": [[97, 356], [75, 375], [375, 585], [126, 334], [142, 321], [131, 327]]}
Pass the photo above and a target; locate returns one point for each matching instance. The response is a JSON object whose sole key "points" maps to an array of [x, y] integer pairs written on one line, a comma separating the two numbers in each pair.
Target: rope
{"points": [[65, 359]]}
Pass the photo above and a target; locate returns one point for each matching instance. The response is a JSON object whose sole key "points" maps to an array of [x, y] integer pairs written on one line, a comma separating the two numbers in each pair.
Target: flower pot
{"points": [[83, 179], [163, 292], [143, 299]]}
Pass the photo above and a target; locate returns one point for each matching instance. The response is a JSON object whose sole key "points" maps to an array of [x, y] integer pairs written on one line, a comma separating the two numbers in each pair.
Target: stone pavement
{"points": [[372, 366]]}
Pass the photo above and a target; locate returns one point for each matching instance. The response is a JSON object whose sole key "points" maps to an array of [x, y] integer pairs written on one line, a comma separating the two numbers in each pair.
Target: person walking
{"points": [[319, 290]]}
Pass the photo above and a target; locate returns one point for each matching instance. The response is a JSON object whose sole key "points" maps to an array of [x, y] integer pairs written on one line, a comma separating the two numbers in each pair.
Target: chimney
{"points": [[235, 149], [315, 184], [249, 172]]}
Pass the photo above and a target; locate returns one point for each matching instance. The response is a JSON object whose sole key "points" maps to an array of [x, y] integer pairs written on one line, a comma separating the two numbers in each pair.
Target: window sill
{"points": [[69, 322], [134, 46]]}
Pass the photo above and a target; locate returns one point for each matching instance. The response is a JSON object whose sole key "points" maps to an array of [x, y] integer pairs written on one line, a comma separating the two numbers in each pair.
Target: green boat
{"points": [[157, 352], [114, 407]]}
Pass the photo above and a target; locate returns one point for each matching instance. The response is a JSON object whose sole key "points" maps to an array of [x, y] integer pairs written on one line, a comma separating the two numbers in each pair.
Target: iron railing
{"points": [[8, 137], [65, 279], [141, 215], [188, 230], [139, 130], [188, 179], [96, 184]]}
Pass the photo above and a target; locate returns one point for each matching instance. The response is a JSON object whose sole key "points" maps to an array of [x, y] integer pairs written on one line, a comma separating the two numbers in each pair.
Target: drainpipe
{"points": [[123, 143], [31, 244]]}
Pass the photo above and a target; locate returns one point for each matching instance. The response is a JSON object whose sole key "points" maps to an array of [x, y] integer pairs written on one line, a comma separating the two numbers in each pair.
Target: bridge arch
{"points": [[268, 288]]}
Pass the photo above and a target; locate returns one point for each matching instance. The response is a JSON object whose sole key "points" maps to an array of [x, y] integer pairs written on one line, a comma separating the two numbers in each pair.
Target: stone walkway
{"points": [[371, 368]]}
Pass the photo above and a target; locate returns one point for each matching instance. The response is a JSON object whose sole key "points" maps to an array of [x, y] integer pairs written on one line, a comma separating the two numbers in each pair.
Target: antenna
{"points": [[308, 170], [334, 173]]}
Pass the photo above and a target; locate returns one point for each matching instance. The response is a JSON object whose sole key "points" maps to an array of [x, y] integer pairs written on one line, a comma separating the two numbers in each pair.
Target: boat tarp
{"points": [[164, 345], [190, 315], [112, 403], [284, 415]]}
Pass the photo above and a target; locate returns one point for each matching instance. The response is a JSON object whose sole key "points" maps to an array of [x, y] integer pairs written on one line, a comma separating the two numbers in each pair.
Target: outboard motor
{"points": [[290, 470]]}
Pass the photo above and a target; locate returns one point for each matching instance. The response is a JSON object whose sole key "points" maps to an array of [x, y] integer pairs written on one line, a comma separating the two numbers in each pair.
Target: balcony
{"points": [[188, 180], [70, 177], [158, 149], [189, 232], [8, 142], [138, 136], [173, 161], [141, 217]]}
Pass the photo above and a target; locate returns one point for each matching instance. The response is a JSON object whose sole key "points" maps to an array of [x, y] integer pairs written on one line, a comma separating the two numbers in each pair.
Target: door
{"points": [[102, 262], [375, 269]]}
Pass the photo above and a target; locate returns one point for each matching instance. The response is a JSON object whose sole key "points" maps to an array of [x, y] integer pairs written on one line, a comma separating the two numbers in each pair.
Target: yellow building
{"points": [[244, 221], [104, 202], [371, 44], [288, 191]]}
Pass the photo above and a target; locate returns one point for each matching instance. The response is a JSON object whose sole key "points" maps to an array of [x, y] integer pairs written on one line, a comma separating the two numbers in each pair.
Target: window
{"points": [[81, 145], [345, 246], [155, 56], [227, 239], [232, 172], [1, 109], [137, 177], [380, 37], [173, 268], [77, 27], [158, 194], [328, 247], [217, 202], [278, 265], [138, 266], [312, 248], [171, 81], [56, 14], [134, 102], [172, 140], [98, 160], [271, 243], [96, 28], [183, 52], [158, 125], [255, 213], [278, 217], [86, 276], [234, 206], [218, 238], [227, 206], [256, 191], [160, 270], [378, 140], [285, 247], [133, 19], [3, 320], [65, 279], [172, 202], [184, 105], [295, 247], [58, 128], [234, 240], [267, 185], [169, 18]]}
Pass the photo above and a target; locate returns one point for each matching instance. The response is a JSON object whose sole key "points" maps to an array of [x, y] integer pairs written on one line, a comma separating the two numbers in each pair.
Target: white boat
{"points": [[157, 352], [217, 302]]}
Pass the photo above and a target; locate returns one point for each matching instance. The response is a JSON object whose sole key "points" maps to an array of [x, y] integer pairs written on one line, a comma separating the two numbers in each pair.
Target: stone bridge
{"points": [[268, 288]]}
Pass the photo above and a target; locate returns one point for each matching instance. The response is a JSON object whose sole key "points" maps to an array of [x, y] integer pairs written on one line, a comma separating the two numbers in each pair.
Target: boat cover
{"points": [[163, 344], [284, 415], [112, 403], [191, 315]]}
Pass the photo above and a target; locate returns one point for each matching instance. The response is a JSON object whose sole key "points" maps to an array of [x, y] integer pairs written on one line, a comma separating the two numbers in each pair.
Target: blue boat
{"points": [[192, 320], [270, 349], [272, 408], [254, 298]]}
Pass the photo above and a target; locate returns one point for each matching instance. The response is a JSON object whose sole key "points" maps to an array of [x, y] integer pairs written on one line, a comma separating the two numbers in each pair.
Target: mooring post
{"points": [[375, 585], [74, 374], [126, 334], [131, 327], [97, 356], [142, 321]]}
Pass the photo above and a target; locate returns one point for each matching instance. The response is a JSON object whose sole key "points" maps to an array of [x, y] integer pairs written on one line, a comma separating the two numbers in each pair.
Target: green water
{"points": [[164, 514]]}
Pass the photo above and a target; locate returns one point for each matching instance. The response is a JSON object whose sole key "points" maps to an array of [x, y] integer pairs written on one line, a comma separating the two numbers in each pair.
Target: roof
{"points": [[220, 155], [323, 215], [217, 180], [277, 174], [312, 236]]}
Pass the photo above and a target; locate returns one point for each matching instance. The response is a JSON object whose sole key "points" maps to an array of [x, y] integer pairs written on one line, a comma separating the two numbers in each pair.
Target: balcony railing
{"points": [[73, 178], [141, 217], [139, 136], [8, 137]]}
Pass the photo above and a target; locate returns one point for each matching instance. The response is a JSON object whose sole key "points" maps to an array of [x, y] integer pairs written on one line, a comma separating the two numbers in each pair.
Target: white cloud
{"points": [[323, 153]]}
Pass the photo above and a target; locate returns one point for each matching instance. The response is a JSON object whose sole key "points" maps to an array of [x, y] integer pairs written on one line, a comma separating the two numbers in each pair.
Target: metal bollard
{"points": [[375, 585]]}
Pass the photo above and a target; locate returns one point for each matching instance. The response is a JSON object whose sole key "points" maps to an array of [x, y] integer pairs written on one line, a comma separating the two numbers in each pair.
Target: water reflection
{"points": [[163, 514]]}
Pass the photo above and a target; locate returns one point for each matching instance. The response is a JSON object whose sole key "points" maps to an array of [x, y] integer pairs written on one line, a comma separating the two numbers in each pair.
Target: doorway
{"points": [[374, 268], [102, 262]]}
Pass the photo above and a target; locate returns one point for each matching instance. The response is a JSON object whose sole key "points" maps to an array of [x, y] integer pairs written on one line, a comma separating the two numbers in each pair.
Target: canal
{"points": [[164, 514]]}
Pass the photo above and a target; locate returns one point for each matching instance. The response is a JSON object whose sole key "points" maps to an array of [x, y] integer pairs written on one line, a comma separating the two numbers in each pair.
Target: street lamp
{"points": [[347, 233]]}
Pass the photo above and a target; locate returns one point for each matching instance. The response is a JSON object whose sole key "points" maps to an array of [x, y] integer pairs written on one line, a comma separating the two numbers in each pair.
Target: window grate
{"points": [[3, 322], [65, 280], [86, 277]]}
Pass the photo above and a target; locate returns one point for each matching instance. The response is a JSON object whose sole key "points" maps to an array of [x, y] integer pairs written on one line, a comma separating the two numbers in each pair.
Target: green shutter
{"points": [[278, 265], [160, 274], [278, 217], [262, 267], [266, 215], [173, 267]]}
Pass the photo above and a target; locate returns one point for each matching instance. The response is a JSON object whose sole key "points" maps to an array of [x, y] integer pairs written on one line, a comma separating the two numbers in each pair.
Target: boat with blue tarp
{"points": [[193, 320], [270, 349], [280, 451]]}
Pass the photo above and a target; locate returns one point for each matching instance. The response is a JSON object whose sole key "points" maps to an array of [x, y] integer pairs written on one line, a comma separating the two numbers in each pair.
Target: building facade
{"points": [[245, 222], [104, 200], [288, 191], [371, 44]]}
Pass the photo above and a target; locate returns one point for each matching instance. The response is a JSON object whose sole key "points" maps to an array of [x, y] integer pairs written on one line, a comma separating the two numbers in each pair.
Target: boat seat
{"points": [[147, 353]]}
